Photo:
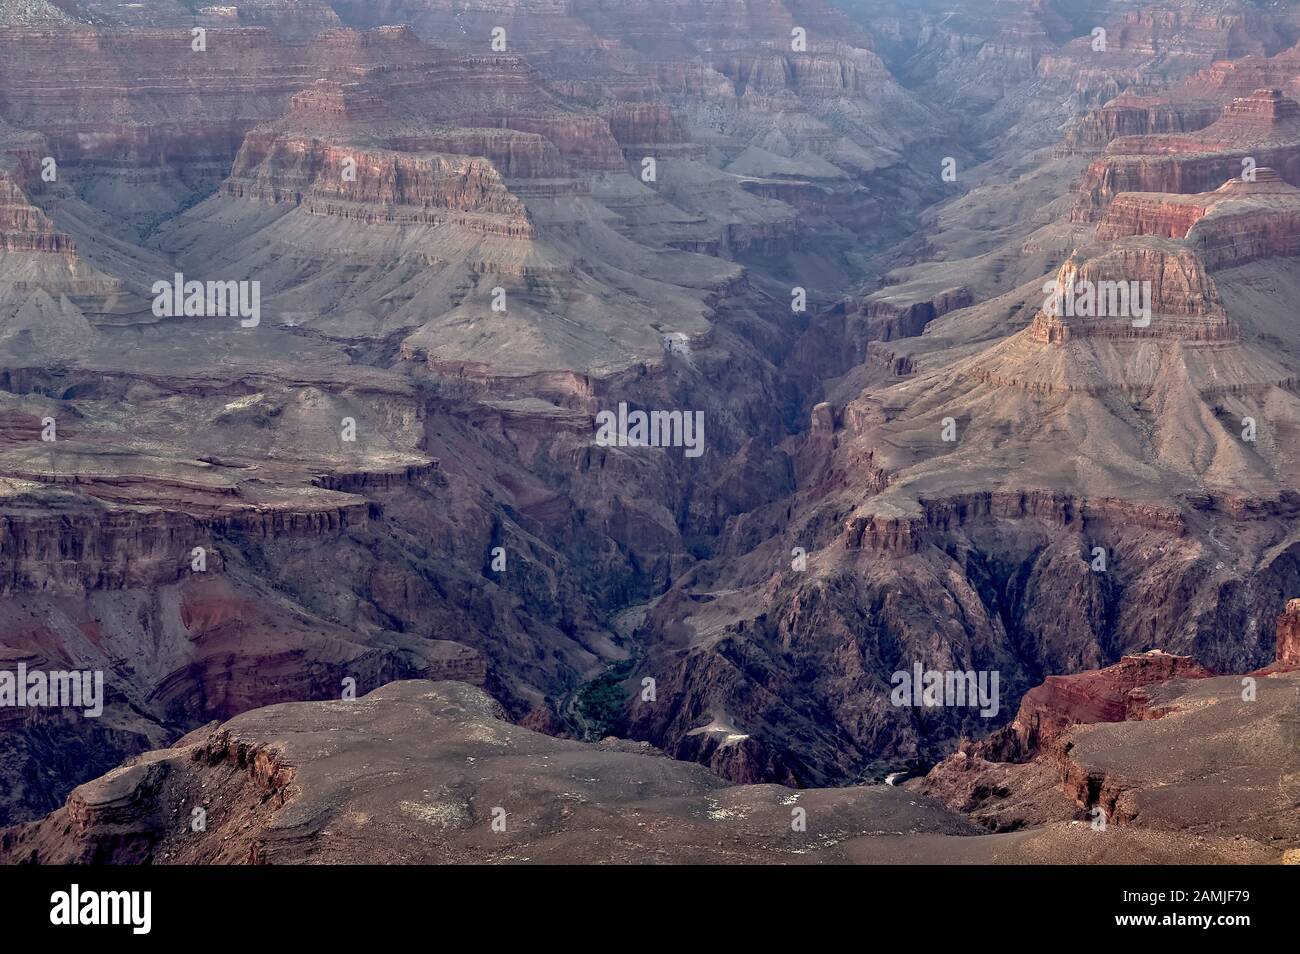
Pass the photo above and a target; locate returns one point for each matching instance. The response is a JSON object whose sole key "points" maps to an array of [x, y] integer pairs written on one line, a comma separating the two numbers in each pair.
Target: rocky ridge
{"points": [[280, 786], [1060, 757]]}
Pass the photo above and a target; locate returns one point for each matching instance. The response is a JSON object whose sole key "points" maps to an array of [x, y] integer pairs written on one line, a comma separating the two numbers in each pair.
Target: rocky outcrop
{"points": [[1057, 744], [1242, 220], [909, 534], [1134, 115], [1133, 290], [1106, 695], [1288, 635], [372, 481], [25, 228], [1263, 129], [1150, 213], [47, 287], [889, 318], [1137, 774], [266, 776], [388, 187]]}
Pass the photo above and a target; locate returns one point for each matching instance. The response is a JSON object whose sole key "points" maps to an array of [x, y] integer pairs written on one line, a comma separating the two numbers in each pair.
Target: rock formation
{"points": [[1288, 635], [1262, 129], [1061, 758], [1112, 694], [461, 785]]}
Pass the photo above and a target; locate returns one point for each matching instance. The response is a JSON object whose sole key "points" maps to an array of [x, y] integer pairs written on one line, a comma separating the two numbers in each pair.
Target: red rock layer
{"points": [[1239, 222], [1154, 29], [1102, 695], [1150, 213], [389, 186], [639, 127], [113, 95], [360, 112], [583, 140], [1233, 239], [1131, 115], [515, 154], [1264, 127], [329, 100]]}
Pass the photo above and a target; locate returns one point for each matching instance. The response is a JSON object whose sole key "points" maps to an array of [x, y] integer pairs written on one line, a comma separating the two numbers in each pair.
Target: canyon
{"points": [[441, 784], [375, 528]]}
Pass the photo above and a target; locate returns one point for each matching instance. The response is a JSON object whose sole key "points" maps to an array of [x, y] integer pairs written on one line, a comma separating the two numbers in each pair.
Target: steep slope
{"points": [[361, 471], [1004, 456]]}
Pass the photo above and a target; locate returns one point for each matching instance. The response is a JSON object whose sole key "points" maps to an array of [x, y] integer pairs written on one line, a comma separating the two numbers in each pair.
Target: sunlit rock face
{"points": [[1262, 129]]}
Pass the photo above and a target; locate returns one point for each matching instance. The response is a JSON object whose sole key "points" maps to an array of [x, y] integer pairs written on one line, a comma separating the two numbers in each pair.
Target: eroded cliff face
{"points": [[182, 508], [262, 780], [794, 629], [1288, 635], [1262, 129], [1107, 695], [1098, 745], [310, 174], [1241, 221]]}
